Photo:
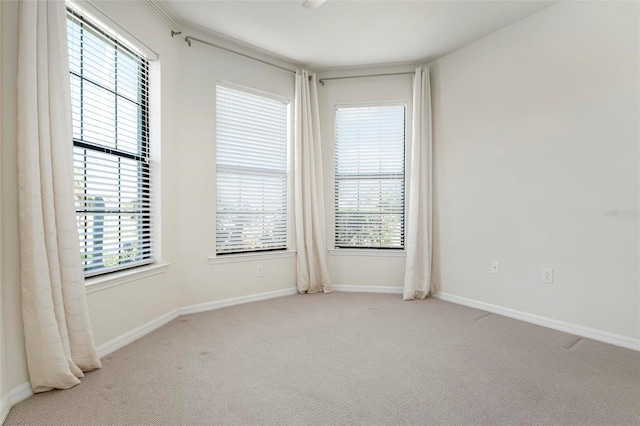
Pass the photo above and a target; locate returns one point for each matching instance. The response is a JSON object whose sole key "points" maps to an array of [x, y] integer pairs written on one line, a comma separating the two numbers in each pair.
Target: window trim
{"points": [[271, 253], [367, 252], [143, 157], [98, 283], [114, 29], [253, 91], [251, 256]]}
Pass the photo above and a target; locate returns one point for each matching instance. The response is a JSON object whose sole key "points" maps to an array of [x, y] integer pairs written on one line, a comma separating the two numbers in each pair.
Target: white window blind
{"points": [[369, 177], [109, 100], [251, 172]]}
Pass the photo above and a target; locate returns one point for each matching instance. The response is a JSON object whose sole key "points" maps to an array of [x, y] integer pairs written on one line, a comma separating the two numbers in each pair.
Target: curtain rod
{"points": [[189, 39], [322, 80], [177, 29]]}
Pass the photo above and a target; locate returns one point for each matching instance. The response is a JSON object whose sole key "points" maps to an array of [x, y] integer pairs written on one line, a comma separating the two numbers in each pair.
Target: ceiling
{"points": [[344, 33]]}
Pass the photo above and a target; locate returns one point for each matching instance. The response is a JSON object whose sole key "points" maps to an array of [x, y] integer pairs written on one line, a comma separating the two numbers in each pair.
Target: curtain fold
{"points": [[418, 234], [58, 337], [312, 275]]}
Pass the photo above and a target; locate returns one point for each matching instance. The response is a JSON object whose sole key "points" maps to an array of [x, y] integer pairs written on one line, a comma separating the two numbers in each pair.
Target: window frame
{"points": [[265, 253], [362, 250], [146, 232]]}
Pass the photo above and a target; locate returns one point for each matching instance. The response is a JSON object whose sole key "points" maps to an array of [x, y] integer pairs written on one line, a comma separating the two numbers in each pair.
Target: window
{"points": [[109, 100], [369, 177], [251, 171]]}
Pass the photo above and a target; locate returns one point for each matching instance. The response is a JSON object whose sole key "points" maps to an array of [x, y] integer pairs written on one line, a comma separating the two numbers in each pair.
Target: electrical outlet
{"points": [[495, 267], [259, 271], [547, 275]]}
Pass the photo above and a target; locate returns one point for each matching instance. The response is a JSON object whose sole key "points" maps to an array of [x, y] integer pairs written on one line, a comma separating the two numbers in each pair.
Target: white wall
{"points": [[2, 369], [14, 365], [536, 137], [379, 268]]}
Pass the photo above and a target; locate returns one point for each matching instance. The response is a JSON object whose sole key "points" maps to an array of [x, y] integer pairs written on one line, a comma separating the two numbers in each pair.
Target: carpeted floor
{"points": [[350, 359]]}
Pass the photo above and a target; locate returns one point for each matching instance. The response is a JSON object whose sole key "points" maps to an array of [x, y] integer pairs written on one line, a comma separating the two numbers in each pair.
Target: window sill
{"points": [[96, 284], [367, 252], [234, 258]]}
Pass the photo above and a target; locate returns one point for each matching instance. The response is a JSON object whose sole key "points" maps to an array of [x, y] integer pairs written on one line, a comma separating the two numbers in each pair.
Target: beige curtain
{"points": [[58, 336], [312, 273], [418, 234]]}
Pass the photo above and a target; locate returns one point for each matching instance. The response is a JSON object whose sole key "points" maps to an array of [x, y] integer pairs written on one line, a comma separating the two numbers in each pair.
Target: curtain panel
{"points": [[58, 336], [312, 275], [419, 232]]}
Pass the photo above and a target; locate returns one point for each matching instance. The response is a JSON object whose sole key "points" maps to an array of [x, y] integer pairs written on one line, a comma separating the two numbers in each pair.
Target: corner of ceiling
{"points": [[190, 29]]}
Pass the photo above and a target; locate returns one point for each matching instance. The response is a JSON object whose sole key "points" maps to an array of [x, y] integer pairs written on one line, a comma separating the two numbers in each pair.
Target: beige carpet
{"points": [[354, 359]]}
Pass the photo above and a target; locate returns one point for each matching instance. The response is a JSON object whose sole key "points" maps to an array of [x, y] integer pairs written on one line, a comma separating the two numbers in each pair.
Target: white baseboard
{"points": [[133, 335], [219, 304], [15, 395], [367, 289], [20, 393], [5, 406], [589, 333]]}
